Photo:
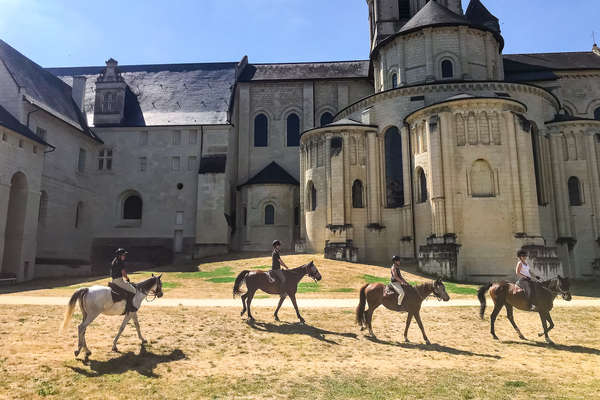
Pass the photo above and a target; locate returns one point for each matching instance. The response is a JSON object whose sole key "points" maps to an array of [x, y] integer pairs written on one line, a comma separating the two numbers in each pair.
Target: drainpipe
{"points": [[412, 191]]}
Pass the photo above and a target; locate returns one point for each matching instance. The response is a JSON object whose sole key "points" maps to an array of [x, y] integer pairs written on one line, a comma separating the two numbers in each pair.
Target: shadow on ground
{"points": [[298, 328], [431, 347], [555, 346], [144, 363]]}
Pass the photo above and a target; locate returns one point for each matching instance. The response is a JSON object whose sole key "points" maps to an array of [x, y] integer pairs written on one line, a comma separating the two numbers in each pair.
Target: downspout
{"points": [[201, 141], [412, 191]]}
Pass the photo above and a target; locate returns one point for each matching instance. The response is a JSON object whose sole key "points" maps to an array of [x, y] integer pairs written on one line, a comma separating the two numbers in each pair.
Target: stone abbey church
{"points": [[438, 148]]}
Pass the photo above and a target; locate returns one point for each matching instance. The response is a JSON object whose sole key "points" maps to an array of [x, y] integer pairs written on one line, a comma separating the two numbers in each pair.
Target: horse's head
{"points": [[313, 272], [563, 287], [439, 290], [157, 287]]}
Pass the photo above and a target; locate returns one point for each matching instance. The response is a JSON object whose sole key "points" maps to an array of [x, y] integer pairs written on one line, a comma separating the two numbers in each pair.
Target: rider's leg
{"points": [[398, 288], [123, 284], [281, 278]]}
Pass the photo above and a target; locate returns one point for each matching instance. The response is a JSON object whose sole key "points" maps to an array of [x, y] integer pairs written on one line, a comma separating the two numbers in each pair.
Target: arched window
{"points": [[269, 215], [78, 214], [597, 114], [482, 180], [357, 194], [312, 197], [447, 69], [394, 174], [394, 81], [261, 131], [107, 105], [574, 192], [132, 207], [326, 118], [422, 179], [293, 130], [43, 211]]}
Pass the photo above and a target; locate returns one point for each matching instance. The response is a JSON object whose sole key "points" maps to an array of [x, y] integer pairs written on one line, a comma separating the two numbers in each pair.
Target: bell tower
{"points": [[387, 17], [109, 106]]}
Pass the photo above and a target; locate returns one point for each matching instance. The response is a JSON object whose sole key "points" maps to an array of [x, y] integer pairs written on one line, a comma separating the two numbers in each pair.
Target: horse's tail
{"points": [[481, 296], [78, 295], [360, 309], [238, 282]]}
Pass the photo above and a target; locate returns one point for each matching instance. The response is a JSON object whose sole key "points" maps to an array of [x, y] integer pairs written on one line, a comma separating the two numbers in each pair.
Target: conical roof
{"points": [[433, 14], [479, 15]]}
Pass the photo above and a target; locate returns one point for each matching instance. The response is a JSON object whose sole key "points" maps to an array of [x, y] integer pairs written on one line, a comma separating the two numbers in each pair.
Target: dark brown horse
{"points": [[509, 295], [376, 295], [260, 280]]}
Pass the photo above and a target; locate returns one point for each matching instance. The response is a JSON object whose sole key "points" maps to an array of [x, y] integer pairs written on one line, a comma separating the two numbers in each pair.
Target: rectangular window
{"points": [[191, 163], [21, 143], [4, 137], [143, 163], [81, 161], [176, 163], [179, 218], [143, 138], [177, 137], [105, 159], [34, 149], [40, 132], [193, 137]]}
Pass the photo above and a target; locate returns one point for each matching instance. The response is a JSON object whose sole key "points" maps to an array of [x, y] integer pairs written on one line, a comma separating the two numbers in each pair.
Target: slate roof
{"points": [[166, 94], [478, 14], [541, 66], [306, 71], [213, 164], [8, 121], [569, 118], [433, 14], [43, 88], [272, 174]]}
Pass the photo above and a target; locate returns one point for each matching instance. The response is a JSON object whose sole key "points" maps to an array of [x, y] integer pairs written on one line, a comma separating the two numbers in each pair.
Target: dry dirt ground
{"points": [[201, 353], [213, 278]]}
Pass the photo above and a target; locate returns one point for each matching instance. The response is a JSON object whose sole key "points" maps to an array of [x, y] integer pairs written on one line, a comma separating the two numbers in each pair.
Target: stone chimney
{"points": [[78, 91]]}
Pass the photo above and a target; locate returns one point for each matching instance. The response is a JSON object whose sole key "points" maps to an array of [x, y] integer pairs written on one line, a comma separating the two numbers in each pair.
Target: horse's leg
{"points": [[137, 327], [408, 321], [244, 296], [509, 314], [125, 321], [418, 318], [293, 298], [281, 299], [82, 345], [497, 308], [369, 318], [544, 317], [250, 294]]}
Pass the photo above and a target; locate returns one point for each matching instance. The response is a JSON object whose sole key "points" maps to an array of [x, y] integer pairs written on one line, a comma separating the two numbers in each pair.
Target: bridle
{"points": [[152, 292], [308, 272], [555, 288]]}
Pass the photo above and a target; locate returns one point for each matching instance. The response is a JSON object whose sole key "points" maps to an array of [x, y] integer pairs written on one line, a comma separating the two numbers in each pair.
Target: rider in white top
{"points": [[525, 280]]}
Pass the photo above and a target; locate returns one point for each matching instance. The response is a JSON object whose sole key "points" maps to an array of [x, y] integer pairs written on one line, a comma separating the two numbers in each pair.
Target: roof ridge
{"points": [[144, 65], [310, 62]]}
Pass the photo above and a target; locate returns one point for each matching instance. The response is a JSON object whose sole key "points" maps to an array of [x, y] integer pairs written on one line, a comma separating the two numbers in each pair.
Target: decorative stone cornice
{"points": [[466, 86], [470, 104]]}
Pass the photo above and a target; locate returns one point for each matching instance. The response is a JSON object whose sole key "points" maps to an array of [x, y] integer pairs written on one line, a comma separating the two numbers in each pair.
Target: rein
{"points": [[149, 292]]}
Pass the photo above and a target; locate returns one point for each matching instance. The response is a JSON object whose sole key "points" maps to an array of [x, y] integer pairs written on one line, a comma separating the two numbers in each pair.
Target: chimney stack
{"points": [[78, 91]]}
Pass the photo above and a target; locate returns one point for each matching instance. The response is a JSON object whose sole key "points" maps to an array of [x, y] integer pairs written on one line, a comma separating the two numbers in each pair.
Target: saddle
{"points": [[516, 289], [119, 294]]}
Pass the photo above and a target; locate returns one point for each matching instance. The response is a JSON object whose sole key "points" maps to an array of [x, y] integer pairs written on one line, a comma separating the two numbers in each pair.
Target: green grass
{"points": [[308, 287], [342, 290], [170, 285], [515, 384], [460, 289], [221, 279], [262, 267], [375, 279], [219, 272]]}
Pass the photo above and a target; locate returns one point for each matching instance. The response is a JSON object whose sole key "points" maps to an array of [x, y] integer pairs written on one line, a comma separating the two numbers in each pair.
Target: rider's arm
{"points": [[124, 274], [282, 263], [402, 280], [519, 274]]}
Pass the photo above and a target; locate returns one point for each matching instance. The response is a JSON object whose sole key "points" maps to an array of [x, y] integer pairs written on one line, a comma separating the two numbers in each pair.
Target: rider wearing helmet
{"points": [[525, 281], [397, 281], [276, 264], [118, 273]]}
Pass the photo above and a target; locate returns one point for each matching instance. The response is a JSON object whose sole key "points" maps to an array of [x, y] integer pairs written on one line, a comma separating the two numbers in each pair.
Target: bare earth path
{"points": [[270, 302]]}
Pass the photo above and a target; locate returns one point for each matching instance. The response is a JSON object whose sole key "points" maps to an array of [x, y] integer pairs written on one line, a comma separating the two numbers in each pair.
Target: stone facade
{"points": [[439, 148]]}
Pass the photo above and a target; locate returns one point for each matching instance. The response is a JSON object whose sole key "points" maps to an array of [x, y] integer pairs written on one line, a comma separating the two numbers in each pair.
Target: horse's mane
{"points": [[147, 284], [425, 286], [297, 270]]}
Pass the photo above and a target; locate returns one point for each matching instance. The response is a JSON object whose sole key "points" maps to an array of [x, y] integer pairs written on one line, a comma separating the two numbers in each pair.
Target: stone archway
{"points": [[15, 225]]}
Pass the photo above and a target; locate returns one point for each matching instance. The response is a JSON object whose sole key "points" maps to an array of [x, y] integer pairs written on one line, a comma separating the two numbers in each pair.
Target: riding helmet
{"points": [[396, 258], [521, 253], [276, 243], [120, 251]]}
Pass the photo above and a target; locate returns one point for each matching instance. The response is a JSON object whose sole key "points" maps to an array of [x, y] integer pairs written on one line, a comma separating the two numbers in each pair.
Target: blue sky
{"points": [[82, 32]]}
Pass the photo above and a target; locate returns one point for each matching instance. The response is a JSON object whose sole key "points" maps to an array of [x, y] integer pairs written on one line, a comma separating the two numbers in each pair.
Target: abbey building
{"points": [[438, 148]]}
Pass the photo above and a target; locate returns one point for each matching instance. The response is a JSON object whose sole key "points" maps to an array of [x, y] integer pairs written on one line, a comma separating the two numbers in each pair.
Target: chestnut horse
{"points": [[509, 295], [376, 295], [260, 280]]}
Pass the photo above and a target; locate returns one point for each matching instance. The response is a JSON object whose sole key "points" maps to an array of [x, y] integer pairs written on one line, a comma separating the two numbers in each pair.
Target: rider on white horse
{"points": [[118, 273]]}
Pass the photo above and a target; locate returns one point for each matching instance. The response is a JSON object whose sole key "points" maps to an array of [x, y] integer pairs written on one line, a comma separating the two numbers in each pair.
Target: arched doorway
{"points": [[15, 225]]}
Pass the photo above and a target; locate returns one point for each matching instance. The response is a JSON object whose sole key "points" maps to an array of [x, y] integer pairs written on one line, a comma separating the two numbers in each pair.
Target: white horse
{"points": [[97, 300]]}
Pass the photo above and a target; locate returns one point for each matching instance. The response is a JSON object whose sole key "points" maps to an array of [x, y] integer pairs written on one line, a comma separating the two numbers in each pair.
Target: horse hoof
{"points": [[549, 342], [428, 343], [114, 349], [144, 341], [406, 340], [302, 321], [522, 337], [276, 318], [540, 334], [76, 353], [495, 337]]}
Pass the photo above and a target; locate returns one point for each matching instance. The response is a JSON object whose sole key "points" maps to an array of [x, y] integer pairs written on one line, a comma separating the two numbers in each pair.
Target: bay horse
{"points": [[507, 294], [96, 300], [256, 280], [375, 295]]}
